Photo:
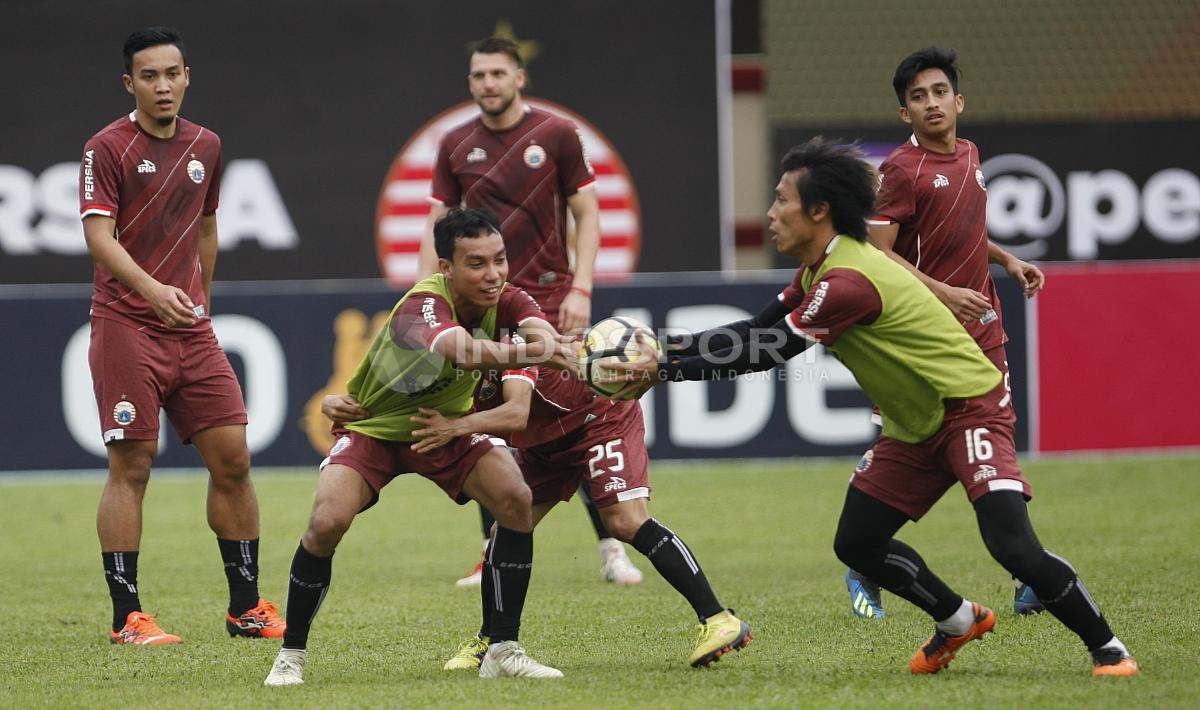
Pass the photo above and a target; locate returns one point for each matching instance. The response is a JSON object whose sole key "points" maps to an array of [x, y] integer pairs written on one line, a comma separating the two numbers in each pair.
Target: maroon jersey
{"points": [[425, 317], [844, 299], [940, 203], [560, 404], [157, 190], [524, 174]]}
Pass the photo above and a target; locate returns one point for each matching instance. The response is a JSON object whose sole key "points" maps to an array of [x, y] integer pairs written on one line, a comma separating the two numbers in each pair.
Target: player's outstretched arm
{"points": [[471, 353], [1029, 276], [722, 338], [511, 416], [170, 304]]}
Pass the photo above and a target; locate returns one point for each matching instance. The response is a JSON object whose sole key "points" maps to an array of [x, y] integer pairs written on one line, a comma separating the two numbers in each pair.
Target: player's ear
{"points": [[521, 79], [187, 76], [128, 82], [958, 103], [904, 115], [444, 266], [818, 211]]}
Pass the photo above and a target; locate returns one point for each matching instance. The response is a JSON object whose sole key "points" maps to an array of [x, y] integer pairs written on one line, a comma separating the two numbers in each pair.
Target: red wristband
{"points": [[580, 289]]}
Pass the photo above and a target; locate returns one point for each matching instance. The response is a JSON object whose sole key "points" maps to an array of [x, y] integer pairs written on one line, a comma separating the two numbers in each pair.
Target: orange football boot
{"points": [[1113, 662], [936, 653], [141, 630], [260, 622]]}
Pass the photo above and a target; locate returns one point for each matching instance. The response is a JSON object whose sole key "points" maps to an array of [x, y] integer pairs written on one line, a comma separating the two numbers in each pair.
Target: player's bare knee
{"points": [[129, 463], [326, 527], [514, 507], [622, 524]]}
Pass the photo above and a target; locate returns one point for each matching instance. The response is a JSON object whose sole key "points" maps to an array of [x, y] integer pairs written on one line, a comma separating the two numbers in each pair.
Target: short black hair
{"points": [[152, 37], [499, 45], [919, 61], [834, 173], [460, 223]]}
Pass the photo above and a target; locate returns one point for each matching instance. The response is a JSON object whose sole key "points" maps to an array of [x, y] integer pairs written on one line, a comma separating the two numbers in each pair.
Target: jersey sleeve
{"points": [[99, 181], [793, 293], [574, 168], [841, 299], [516, 308], [525, 374], [421, 320], [213, 199], [445, 189], [895, 201]]}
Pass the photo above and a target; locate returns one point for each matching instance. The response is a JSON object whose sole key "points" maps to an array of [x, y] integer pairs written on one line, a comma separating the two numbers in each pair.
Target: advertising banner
{"points": [[291, 343], [316, 103], [1077, 191], [1116, 357]]}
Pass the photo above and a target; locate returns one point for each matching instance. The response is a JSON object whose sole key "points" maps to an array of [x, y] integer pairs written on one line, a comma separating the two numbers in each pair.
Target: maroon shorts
{"points": [[974, 447], [379, 461], [609, 455], [135, 373]]}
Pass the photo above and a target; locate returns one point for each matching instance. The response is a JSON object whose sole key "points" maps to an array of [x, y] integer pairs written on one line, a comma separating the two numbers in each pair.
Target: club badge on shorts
{"points": [[195, 170], [124, 413], [535, 156]]}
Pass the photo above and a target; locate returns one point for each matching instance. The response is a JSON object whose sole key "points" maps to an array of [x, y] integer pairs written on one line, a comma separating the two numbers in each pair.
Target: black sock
{"points": [[487, 593], [1070, 602], [120, 571], [241, 571], [865, 543], [1004, 524], [510, 563], [594, 513], [674, 561], [308, 582]]}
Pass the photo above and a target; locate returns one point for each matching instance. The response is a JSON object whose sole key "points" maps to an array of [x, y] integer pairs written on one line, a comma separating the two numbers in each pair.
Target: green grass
{"points": [[762, 532]]}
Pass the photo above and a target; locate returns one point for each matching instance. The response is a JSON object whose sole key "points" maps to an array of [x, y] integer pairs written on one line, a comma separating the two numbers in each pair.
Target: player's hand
{"points": [[342, 408], [565, 356], [640, 374], [574, 313], [1029, 276], [436, 430], [172, 306], [965, 303]]}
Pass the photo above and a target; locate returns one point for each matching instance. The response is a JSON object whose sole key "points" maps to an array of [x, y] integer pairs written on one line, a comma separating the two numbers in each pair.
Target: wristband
{"points": [[580, 289]]}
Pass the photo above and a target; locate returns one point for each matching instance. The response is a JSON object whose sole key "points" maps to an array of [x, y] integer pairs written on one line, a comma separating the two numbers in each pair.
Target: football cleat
{"points": [[507, 659], [1113, 662], [469, 656], [288, 668], [260, 622], [617, 567], [473, 578], [1025, 601], [720, 634], [936, 653], [141, 630], [866, 599]]}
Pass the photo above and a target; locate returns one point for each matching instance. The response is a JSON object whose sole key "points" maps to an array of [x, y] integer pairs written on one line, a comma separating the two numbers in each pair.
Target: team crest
{"points": [[339, 446], [195, 170], [487, 389], [535, 156], [979, 179], [865, 462], [124, 413]]}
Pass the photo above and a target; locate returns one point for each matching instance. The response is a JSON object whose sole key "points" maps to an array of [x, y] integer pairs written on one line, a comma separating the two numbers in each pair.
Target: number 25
{"points": [[606, 451]]}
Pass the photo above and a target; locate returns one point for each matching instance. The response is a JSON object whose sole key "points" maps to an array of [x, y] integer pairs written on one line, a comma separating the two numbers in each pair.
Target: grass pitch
{"points": [[762, 531]]}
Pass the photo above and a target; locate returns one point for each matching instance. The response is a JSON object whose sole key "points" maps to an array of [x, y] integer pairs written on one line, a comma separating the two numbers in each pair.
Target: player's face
{"points": [[158, 80], [478, 270], [932, 106], [494, 80], [792, 226]]}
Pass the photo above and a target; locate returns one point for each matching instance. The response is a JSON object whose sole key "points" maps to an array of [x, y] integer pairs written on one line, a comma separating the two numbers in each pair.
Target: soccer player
{"points": [[945, 410], [931, 218], [567, 437], [148, 192], [425, 357], [530, 168]]}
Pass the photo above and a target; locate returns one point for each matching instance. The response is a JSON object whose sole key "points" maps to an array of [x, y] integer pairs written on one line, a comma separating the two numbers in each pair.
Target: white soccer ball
{"points": [[612, 339]]}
